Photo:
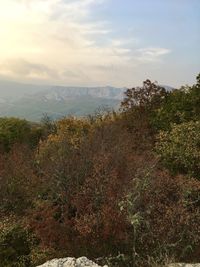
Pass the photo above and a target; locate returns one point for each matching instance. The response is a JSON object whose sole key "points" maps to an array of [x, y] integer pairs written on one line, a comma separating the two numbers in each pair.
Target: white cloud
{"points": [[152, 53], [56, 41], [27, 69]]}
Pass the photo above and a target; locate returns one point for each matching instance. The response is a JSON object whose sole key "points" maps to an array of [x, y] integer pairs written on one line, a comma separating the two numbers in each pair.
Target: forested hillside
{"points": [[122, 187], [30, 102]]}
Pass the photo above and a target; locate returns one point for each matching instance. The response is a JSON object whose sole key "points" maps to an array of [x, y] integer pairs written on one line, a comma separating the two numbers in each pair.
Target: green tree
{"points": [[180, 148], [48, 125], [178, 106], [15, 246], [12, 131]]}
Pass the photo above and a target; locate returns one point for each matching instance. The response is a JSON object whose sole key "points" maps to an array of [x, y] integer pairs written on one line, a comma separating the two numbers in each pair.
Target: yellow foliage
{"points": [[70, 132]]}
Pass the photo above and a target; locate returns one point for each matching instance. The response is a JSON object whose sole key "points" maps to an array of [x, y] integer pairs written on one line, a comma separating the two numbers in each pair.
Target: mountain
{"points": [[10, 90], [32, 101]]}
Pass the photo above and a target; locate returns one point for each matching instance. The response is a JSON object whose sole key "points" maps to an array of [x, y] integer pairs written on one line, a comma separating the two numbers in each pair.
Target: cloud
{"points": [[151, 54], [26, 69], [61, 41]]}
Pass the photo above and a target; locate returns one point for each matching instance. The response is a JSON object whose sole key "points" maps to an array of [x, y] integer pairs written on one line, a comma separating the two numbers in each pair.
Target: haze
{"points": [[99, 42]]}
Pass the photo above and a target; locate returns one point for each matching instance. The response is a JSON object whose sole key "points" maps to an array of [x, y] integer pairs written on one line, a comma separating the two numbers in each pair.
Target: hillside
{"points": [[32, 101], [121, 188]]}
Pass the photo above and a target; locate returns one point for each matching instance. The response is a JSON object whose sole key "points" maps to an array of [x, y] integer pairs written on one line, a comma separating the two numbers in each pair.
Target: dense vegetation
{"points": [[124, 186]]}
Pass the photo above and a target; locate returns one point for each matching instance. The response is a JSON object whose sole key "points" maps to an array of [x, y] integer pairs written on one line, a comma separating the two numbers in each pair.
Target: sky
{"points": [[100, 42]]}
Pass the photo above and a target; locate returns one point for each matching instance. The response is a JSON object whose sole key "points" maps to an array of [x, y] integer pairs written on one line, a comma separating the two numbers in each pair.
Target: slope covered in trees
{"points": [[123, 187]]}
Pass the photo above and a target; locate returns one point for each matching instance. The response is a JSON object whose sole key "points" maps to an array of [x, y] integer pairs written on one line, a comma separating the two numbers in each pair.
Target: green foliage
{"points": [[17, 131], [180, 148], [13, 130], [48, 125], [36, 134], [178, 106], [39, 254], [15, 246]]}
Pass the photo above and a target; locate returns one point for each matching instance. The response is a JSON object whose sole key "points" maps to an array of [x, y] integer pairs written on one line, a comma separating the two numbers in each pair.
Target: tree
{"points": [[15, 246], [18, 181], [144, 98], [15, 131], [138, 108], [180, 148], [180, 105], [12, 131], [48, 125]]}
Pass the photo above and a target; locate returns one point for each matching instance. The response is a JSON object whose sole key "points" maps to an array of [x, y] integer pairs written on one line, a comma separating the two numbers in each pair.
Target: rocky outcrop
{"points": [[70, 262], [84, 262], [184, 265]]}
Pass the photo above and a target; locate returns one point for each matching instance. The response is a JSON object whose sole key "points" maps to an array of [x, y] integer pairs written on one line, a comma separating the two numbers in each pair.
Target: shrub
{"points": [[15, 246], [180, 148]]}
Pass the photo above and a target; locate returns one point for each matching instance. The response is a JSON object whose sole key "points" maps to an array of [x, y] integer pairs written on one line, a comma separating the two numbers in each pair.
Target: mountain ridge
{"points": [[31, 101]]}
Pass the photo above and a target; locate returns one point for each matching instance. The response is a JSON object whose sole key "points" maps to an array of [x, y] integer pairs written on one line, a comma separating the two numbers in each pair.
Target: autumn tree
{"points": [[144, 98], [137, 110]]}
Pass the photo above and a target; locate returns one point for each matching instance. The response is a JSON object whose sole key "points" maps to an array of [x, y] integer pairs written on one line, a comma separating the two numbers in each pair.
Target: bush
{"points": [[178, 106], [180, 148], [15, 246]]}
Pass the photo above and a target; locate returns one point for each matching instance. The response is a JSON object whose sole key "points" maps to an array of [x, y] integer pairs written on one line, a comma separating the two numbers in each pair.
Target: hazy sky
{"points": [[100, 42]]}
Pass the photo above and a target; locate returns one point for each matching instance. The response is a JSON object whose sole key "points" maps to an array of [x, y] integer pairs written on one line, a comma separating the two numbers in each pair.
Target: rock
{"points": [[70, 262], [184, 265], [84, 262]]}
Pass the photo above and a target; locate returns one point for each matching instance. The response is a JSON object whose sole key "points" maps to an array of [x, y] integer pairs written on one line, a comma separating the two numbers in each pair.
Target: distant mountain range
{"points": [[33, 101]]}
